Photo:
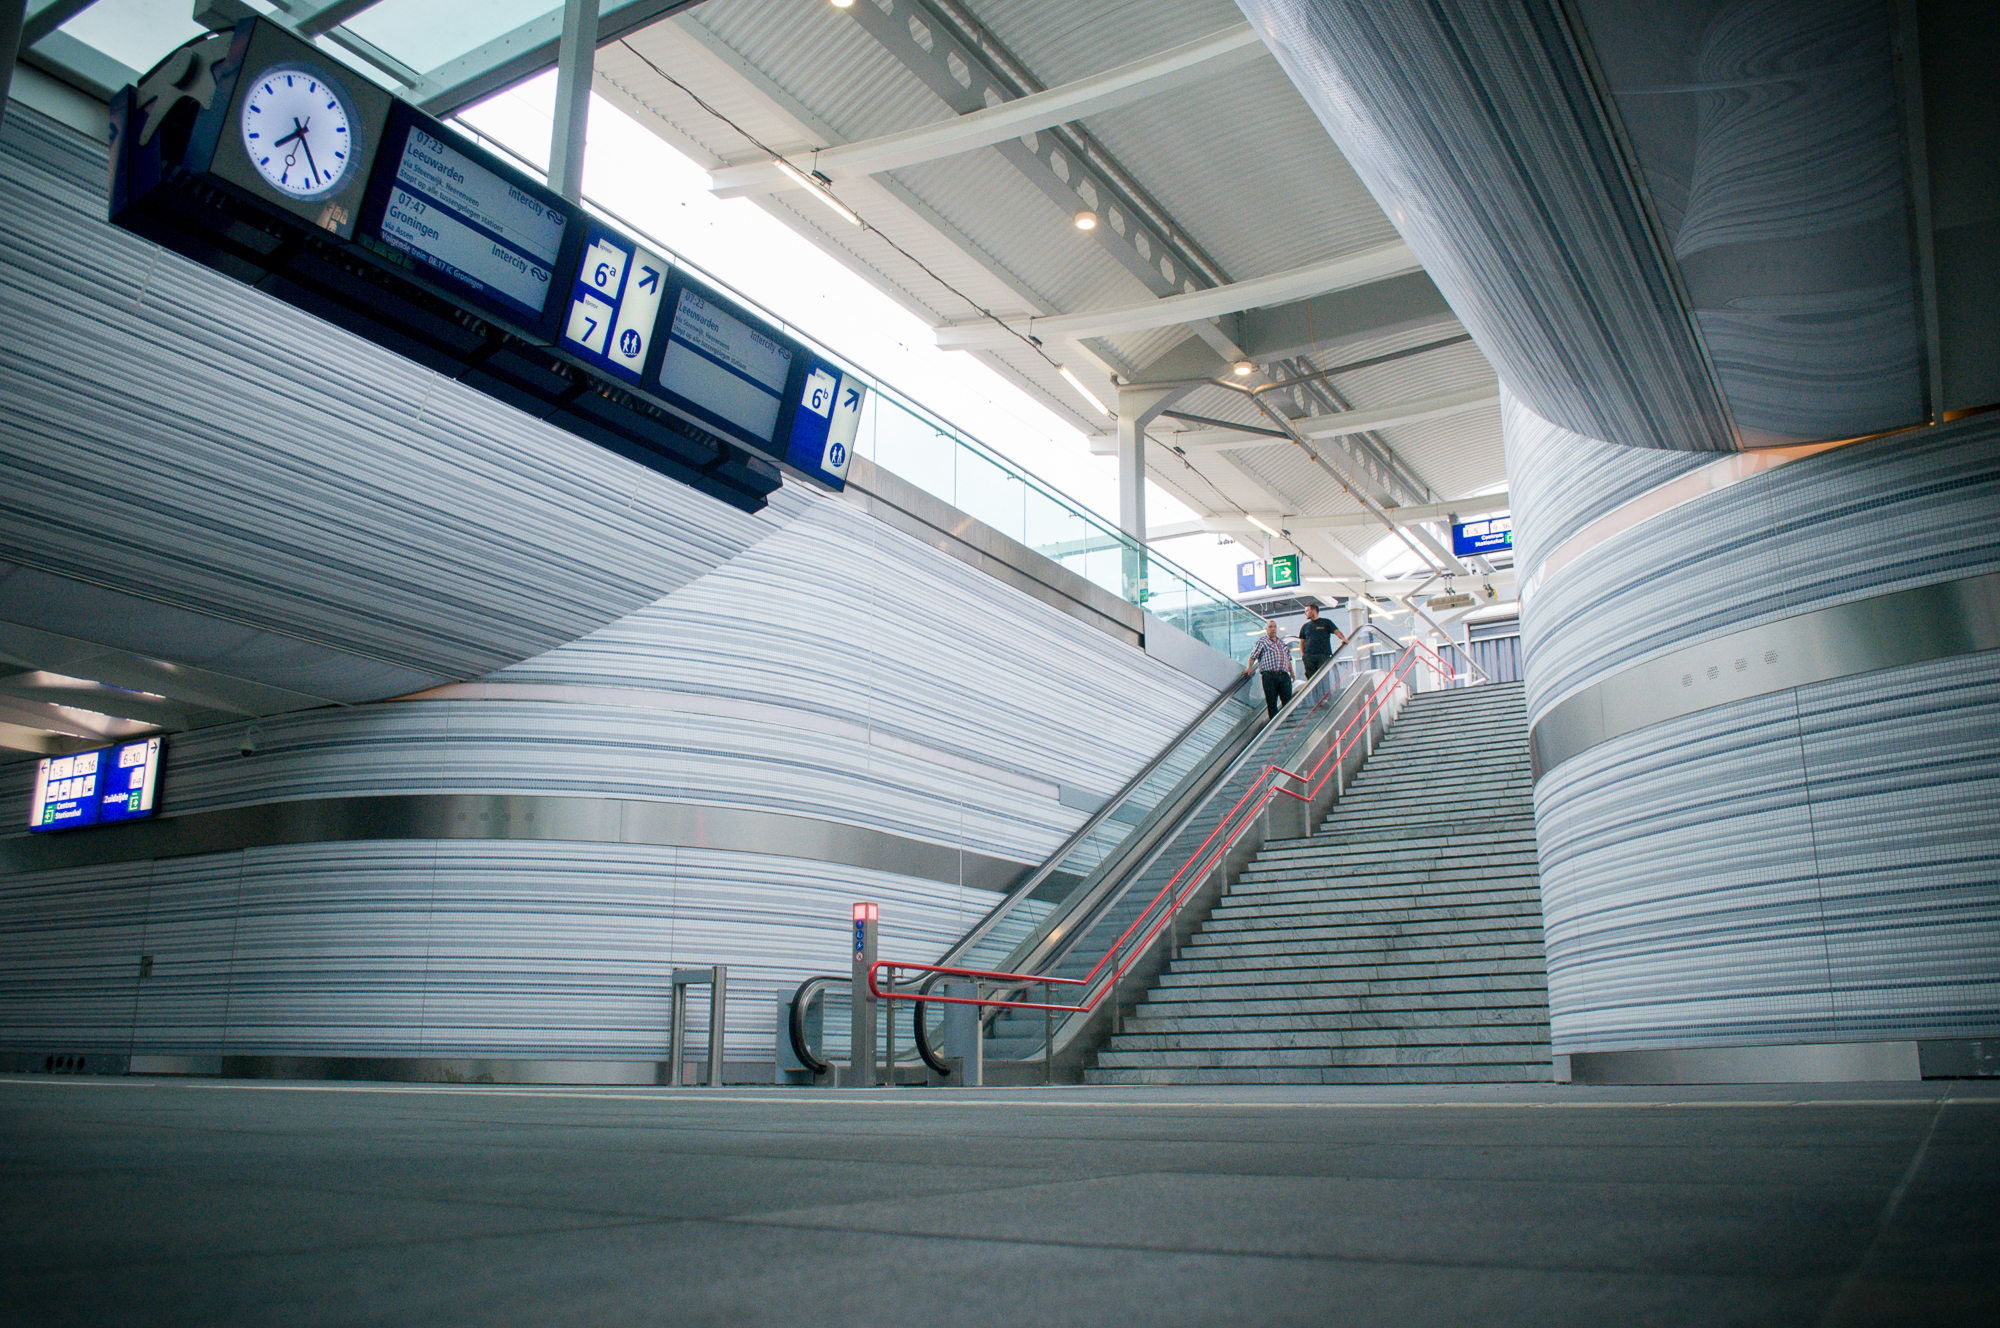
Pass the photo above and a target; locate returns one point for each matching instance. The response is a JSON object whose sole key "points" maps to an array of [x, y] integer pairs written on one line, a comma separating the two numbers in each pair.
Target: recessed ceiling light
{"points": [[1244, 368], [843, 4], [1086, 220]]}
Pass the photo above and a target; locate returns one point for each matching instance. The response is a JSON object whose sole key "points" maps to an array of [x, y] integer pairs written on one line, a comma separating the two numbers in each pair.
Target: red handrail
{"points": [[1315, 780]]}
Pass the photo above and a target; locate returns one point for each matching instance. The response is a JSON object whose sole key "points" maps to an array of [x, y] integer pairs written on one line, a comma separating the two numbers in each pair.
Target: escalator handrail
{"points": [[1375, 703], [1091, 823], [1318, 691], [802, 996]]}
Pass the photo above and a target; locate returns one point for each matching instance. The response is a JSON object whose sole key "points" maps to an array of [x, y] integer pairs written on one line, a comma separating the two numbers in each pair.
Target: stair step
{"points": [[1442, 1054]]}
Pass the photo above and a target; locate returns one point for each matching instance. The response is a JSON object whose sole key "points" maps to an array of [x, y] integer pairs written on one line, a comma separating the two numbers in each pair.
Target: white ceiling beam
{"points": [[1299, 283], [1403, 412], [1367, 420], [1483, 505], [1127, 83]]}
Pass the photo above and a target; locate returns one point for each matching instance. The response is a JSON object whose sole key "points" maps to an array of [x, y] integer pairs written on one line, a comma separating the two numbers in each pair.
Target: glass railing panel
{"points": [[911, 447], [989, 492]]}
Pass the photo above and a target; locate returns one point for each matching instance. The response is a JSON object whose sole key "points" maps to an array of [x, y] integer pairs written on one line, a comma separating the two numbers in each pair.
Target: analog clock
{"points": [[298, 132]]}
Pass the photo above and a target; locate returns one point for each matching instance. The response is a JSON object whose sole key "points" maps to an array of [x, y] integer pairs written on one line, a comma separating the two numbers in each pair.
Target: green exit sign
{"points": [[1284, 572]]}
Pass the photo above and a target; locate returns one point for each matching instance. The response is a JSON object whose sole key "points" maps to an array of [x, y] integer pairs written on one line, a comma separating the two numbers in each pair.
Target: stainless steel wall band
{"points": [[490, 817], [1861, 636]]}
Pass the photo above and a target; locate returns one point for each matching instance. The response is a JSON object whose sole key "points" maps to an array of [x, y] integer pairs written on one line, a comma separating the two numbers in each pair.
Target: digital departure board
{"points": [[253, 153], [730, 373], [115, 784], [487, 233]]}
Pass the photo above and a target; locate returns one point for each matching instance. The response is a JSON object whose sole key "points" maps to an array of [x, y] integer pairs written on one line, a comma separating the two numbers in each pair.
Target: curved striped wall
{"points": [[1475, 127], [193, 471], [1800, 862], [838, 682]]}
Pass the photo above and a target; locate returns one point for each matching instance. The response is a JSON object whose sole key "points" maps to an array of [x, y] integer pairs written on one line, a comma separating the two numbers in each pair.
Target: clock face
{"points": [[297, 131]]}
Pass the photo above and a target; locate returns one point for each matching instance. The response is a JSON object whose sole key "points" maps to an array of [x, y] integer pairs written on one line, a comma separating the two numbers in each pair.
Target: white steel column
{"points": [[576, 62]]}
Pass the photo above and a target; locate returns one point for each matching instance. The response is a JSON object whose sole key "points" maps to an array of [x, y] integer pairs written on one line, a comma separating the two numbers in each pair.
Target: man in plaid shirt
{"points": [[1272, 656]]}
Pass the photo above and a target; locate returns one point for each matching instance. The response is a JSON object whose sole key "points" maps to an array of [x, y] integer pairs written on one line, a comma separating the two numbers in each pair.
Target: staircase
{"points": [[1400, 944]]}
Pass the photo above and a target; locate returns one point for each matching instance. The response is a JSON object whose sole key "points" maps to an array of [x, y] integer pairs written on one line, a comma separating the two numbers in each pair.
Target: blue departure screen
{"points": [[1489, 536], [115, 784]]}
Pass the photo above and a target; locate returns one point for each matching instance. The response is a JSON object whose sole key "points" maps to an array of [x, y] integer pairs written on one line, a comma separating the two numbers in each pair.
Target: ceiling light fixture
{"points": [[1265, 526], [1077, 383], [843, 4], [1244, 368], [1086, 220], [816, 185]]}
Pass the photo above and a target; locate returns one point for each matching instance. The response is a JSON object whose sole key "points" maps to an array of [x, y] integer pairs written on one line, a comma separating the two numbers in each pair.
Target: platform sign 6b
{"points": [[615, 304], [826, 419]]}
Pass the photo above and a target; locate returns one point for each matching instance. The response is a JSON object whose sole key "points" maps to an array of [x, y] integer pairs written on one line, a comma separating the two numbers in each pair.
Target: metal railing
{"points": [[887, 977]]}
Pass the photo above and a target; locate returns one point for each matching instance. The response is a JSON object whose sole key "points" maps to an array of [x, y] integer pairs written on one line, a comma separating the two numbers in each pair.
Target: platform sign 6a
{"points": [[615, 304], [825, 423]]}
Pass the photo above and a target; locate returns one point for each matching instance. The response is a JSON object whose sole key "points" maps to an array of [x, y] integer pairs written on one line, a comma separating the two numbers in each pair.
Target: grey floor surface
{"points": [[185, 1201]]}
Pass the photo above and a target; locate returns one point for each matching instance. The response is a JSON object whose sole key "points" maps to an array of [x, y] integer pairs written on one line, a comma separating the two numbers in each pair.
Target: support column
{"points": [[1137, 408], [576, 62], [12, 14]]}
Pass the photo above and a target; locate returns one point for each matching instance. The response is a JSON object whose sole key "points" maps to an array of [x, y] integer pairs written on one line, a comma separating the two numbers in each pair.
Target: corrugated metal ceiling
{"points": [[1239, 163]]}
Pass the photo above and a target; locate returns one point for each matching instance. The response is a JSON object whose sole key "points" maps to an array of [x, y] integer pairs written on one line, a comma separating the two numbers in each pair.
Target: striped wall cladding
{"points": [[1891, 513], [1819, 865], [1814, 863], [259, 492], [560, 951], [839, 671], [1475, 126]]}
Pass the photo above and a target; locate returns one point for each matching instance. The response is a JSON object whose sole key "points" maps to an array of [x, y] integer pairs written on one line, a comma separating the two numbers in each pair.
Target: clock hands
{"points": [[299, 129], [306, 143]]}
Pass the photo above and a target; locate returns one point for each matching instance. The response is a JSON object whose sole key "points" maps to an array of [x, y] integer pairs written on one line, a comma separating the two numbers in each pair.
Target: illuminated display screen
{"points": [[469, 224], [723, 367], [1492, 535], [116, 784]]}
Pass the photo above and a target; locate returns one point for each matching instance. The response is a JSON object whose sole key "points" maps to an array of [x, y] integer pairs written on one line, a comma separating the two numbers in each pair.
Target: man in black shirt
{"points": [[1316, 637]]}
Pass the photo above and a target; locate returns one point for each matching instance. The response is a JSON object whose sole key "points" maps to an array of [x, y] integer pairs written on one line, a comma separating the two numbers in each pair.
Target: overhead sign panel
{"points": [[730, 373], [130, 781], [1493, 535], [1284, 571], [826, 420], [115, 784], [487, 232], [615, 304], [252, 153]]}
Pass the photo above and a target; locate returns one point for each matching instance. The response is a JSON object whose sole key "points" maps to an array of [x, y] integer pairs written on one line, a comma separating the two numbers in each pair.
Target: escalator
{"points": [[1112, 901]]}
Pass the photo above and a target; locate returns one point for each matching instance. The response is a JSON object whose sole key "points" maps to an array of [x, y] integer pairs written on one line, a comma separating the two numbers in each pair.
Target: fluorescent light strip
{"points": [[1089, 395], [818, 190]]}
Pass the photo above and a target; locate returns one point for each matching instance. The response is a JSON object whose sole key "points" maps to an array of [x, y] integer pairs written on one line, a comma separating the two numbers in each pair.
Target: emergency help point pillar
{"points": [[861, 1061]]}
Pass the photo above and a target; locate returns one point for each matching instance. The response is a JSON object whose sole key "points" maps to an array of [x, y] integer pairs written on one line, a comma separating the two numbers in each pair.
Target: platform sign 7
{"points": [[616, 302]]}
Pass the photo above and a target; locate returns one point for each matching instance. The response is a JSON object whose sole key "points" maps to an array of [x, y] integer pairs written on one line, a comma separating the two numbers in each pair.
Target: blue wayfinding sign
{"points": [[615, 304], [826, 423], [1492, 535]]}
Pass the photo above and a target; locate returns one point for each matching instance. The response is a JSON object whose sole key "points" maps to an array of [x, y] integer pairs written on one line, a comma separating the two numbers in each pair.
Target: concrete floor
{"points": [[149, 1202]]}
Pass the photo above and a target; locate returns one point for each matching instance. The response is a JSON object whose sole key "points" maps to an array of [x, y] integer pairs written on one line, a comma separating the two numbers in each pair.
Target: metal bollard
{"points": [[717, 981]]}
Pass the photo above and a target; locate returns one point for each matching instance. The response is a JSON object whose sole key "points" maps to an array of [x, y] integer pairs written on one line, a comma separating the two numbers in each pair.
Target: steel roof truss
{"points": [[1086, 188]]}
